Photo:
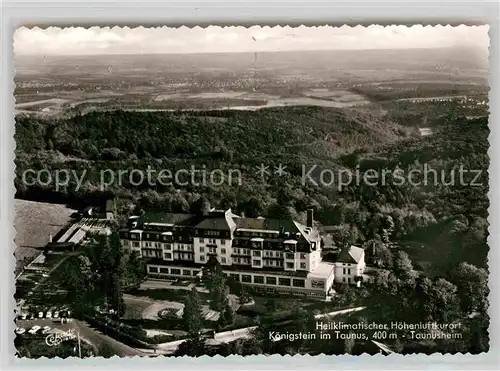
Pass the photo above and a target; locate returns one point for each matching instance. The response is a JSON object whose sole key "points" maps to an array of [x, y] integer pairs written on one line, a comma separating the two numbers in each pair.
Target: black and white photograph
{"points": [[190, 191]]}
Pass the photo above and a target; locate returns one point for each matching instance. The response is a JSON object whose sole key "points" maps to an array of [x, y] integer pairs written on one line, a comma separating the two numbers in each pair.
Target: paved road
{"points": [[337, 312], [96, 337], [87, 333], [43, 279]]}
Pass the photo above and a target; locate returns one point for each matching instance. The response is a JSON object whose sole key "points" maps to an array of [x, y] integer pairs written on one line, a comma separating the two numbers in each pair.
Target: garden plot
{"points": [[150, 309]]}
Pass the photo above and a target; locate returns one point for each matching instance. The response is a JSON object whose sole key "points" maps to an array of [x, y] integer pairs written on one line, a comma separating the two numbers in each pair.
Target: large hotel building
{"points": [[271, 255]]}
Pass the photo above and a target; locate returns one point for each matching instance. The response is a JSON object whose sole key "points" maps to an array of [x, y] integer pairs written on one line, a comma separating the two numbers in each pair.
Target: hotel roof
{"points": [[225, 220], [156, 218]]}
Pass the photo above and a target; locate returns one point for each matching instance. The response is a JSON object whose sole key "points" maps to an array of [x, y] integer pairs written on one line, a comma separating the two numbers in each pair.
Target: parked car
{"points": [[49, 314], [56, 314], [34, 329], [40, 314], [46, 330], [24, 315], [20, 330]]}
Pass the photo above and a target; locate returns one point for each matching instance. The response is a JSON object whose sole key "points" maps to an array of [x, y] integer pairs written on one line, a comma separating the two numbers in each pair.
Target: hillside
{"points": [[238, 135], [296, 137]]}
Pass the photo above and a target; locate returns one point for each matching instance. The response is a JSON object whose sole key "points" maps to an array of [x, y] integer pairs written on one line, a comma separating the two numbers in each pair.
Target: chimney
{"points": [[310, 218]]}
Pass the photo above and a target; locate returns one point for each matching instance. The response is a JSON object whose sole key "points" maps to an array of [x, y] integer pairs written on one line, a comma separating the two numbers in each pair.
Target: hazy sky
{"points": [[116, 40]]}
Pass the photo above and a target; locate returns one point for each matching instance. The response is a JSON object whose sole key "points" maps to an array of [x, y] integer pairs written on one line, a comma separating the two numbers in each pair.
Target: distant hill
{"points": [[233, 136]]}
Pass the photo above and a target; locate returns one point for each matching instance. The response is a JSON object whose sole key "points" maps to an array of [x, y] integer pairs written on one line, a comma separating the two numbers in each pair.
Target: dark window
{"points": [[303, 265], [256, 262], [256, 253], [153, 269], [223, 251], [246, 278], [175, 271], [271, 280], [299, 283], [258, 279], [284, 281], [236, 277], [290, 265], [289, 256], [164, 270], [186, 272]]}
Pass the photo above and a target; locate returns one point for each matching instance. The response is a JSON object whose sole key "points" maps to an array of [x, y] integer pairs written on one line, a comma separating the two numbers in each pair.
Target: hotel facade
{"points": [[270, 255]]}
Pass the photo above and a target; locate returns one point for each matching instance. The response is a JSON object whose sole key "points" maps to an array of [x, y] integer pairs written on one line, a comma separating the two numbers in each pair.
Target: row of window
{"points": [[238, 251], [151, 253], [213, 241], [281, 281], [223, 260], [212, 250], [165, 246], [256, 244], [348, 271], [212, 233], [180, 255], [256, 234], [173, 271], [267, 253], [137, 236], [241, 260]]}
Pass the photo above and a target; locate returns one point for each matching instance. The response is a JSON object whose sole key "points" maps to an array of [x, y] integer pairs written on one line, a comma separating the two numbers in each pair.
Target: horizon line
{"points": [[250, 51]]}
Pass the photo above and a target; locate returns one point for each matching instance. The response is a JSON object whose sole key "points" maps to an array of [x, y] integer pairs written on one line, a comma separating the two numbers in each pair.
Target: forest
{"points": [[440, 224]]}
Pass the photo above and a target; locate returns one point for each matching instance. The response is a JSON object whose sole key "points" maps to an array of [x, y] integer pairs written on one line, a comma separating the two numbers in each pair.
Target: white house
{"points": [[350, 265]]}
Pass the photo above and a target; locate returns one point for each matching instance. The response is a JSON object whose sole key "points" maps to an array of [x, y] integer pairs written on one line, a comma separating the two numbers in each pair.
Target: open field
{"points": [[34, 223], [55, 86]]}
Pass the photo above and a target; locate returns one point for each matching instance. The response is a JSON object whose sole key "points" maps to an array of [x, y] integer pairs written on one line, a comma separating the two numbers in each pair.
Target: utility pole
{"points": [[79, 346]]}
